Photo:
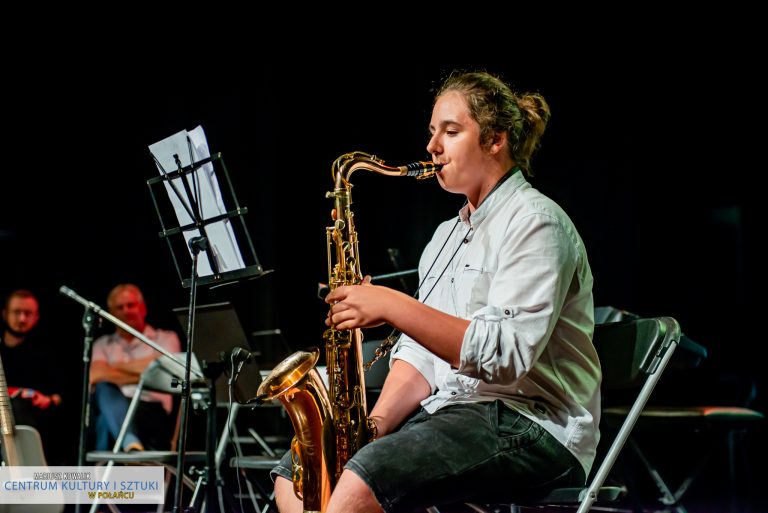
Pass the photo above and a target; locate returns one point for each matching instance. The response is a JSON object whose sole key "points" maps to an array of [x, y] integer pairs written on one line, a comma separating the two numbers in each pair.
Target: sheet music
{"points": [[221, 236]]}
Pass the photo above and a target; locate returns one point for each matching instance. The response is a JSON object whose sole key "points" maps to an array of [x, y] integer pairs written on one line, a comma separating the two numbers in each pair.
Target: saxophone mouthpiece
{"points": [[421, 170]]}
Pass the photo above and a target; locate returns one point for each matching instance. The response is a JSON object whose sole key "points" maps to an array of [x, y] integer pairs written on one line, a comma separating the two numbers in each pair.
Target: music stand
{"points": [[190, 176], [217, 332], [191, 181]]}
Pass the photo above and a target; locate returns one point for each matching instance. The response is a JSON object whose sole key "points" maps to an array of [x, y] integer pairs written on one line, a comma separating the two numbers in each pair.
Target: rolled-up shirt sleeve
{"points": [[422, 360], [506, 336]]}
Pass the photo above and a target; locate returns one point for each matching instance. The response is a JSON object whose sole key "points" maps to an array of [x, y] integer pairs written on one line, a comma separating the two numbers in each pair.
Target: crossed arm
{"points": [[123, 373]]}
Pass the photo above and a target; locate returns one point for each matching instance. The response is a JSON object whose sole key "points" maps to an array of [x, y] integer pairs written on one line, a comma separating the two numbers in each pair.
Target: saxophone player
{"points": [[493, 388]]}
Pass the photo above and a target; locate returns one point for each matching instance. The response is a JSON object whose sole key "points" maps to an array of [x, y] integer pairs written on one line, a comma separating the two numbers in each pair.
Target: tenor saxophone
{"points": [[332, 423]]}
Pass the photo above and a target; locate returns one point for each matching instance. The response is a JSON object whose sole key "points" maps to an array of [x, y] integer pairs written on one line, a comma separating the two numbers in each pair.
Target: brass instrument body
{"points": [[332, 426], [343, 349], [297, 384]]}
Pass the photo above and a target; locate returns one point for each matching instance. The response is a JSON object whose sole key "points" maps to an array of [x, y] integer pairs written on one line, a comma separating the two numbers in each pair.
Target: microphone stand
{"points": [[89, 326], [91, 310], [117, 322]]}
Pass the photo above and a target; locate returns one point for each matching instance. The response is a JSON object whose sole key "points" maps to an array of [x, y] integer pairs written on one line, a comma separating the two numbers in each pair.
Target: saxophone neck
{"points": [[348, 163]]}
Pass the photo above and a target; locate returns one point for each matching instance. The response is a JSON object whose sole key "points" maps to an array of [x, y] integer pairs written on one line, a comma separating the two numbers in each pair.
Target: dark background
{"points": [[652, 152]]}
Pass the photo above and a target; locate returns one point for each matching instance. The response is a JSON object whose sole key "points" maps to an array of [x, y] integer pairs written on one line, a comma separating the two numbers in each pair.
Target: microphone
{"points": [[66, 291], [238, 357], [241, 355]]}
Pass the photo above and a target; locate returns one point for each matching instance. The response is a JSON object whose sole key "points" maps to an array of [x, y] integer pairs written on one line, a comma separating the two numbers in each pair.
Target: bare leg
{"points": [[352, 495], [287, 502]]}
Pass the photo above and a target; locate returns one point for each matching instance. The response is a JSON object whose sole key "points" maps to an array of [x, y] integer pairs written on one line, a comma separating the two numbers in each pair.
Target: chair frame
{"points": [[661, 350]]}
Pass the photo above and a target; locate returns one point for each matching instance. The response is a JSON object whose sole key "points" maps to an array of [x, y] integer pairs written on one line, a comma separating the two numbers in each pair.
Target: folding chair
{"points": [[159, 376], [262, 497], [717, 427], [706, 431], [253, 469], [634, 354]]}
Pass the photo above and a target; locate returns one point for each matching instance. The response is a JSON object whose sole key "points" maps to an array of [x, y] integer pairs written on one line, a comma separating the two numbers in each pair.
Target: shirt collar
{"points": [[498, 196]]}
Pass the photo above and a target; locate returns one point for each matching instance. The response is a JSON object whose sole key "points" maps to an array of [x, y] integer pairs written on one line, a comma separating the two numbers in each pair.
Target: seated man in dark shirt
{"points": [[30, 371]]}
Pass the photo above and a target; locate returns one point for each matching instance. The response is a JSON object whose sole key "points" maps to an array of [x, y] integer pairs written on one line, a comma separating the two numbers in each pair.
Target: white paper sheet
{"points": [[221, 236]]}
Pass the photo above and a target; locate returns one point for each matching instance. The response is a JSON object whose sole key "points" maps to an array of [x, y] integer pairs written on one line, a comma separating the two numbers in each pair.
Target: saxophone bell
{"points": [[297, 384]]}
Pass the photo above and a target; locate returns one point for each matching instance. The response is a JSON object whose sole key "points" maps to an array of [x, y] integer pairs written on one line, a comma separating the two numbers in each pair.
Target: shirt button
{"points": [[453, 393], [466, 241], [506, 312], [451, 280]]}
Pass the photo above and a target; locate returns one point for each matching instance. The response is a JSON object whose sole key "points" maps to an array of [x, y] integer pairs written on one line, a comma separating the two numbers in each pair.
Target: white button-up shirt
{"points": [[518, 270]]}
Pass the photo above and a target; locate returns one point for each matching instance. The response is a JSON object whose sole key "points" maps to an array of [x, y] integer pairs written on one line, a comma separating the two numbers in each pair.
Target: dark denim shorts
{"points": [[481, 452]]}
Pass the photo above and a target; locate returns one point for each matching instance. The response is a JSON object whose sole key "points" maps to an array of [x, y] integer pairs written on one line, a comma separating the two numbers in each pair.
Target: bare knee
{"points": [[286, 499], [352, 495]]}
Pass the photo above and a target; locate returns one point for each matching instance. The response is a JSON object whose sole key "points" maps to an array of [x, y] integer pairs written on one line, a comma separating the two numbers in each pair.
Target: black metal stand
{"points": [[89, 327], [188, 200], [187, 186], [209, 479], [196, 244]]}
